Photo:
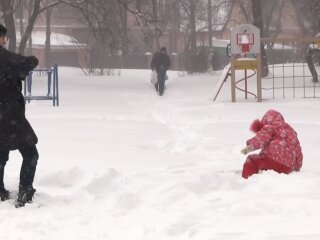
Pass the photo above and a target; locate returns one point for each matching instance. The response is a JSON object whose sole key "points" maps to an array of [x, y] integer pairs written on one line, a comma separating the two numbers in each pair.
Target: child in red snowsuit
{"points": [[279, 144]]}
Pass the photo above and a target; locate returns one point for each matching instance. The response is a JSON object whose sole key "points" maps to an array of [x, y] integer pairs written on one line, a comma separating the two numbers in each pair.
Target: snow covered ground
{"points": [[119, 162]]}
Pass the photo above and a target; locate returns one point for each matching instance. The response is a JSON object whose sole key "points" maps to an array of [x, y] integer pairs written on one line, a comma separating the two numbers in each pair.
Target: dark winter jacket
{"points": [[160, 61], [15, 130], [154, 59]]}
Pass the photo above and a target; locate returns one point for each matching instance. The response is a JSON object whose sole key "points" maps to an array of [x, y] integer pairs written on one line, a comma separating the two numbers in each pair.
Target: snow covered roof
{"points": [[218, 43], [57, 40]]}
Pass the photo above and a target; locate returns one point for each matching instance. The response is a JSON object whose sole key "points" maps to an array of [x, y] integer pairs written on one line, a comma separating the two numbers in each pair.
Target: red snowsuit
{"points": [[280, 147]]}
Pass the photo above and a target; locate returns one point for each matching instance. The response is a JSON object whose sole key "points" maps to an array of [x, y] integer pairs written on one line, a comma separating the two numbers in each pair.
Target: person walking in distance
{"points": [[161, 63]]}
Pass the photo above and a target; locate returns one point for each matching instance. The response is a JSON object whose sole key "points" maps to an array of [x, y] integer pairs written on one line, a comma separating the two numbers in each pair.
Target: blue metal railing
{"points": [[52, 81]]}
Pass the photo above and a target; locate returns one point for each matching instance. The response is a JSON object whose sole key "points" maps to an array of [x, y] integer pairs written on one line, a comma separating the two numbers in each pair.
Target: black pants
{"points": [[28, 168], [311, 65], [161, 81]]}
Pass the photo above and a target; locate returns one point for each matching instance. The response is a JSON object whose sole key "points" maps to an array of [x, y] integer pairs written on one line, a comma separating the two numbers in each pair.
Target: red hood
{"points": [[268, 118]]}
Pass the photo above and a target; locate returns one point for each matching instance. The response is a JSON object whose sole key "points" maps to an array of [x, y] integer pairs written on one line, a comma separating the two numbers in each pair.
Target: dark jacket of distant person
{"points": [[161, 61]]}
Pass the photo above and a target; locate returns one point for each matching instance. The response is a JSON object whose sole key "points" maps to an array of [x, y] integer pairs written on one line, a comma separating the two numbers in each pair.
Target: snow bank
{"points": [[119, 162]]}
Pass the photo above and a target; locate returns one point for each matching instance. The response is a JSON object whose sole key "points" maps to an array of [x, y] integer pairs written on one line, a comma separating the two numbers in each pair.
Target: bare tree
{"points": [[155, 17], [48, 14], [123, 6], [308, 12], [198, 19], [210, 23], [160, 20], [190, 14], [258, 22], [28, 31], [7, 9], [176, 25], [157, 29]]}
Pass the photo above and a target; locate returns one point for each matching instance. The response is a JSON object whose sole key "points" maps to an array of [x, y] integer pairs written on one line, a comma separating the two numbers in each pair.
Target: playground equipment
{"points": [[289, 73], [245, 40], [52, 82]]}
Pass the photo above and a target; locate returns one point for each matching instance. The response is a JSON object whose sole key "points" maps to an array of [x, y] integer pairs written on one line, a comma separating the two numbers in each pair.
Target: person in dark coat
{"points": [[161, 63], [15, 131], [313, 50], [155, 57]]}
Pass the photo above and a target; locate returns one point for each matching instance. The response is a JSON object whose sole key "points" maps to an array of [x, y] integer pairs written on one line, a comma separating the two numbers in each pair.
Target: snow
{"points": [[119, 162], [56, 39], [220, 42]]}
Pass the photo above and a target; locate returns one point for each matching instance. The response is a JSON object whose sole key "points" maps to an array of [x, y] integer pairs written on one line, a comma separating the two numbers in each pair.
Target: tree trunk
{"points": [[193, 39], [32, 20], [20, 15], [258, 22], [176, 26], [29, 7], [124, 27], [156, 45], [48, 38], [210, 23], [7, 9], [317, 17]]}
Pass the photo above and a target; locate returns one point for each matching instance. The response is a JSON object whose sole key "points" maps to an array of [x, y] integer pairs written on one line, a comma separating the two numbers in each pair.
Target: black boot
{"points": [[25, 195], [4, 194]]}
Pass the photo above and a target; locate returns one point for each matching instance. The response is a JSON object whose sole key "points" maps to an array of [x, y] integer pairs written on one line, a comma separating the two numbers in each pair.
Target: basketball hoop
{"points": [[245, 41]]}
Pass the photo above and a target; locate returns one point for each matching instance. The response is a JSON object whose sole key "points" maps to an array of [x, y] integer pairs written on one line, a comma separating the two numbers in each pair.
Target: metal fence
{"points": [[289, 68]]}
